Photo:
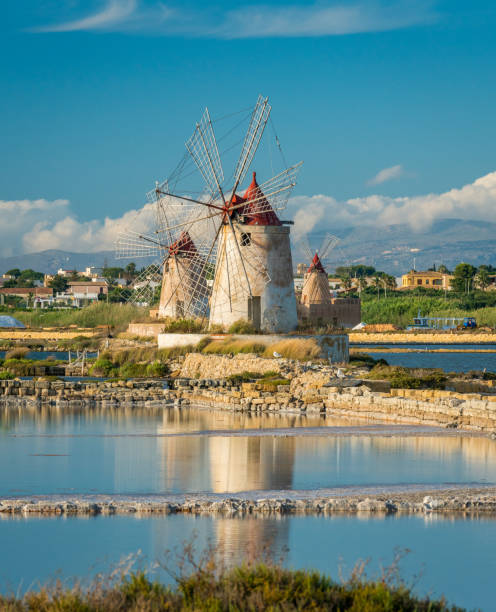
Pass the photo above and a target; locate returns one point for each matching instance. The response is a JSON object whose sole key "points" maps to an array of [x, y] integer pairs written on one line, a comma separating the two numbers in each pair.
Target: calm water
{"points": [[455, 557], [418, 357], [154, 451], [186, 450]]}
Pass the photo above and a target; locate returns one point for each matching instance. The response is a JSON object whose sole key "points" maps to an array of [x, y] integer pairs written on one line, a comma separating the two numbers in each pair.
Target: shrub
{"points": [[246, 587], [242, 327], [157, 369], [408, 378], [5, 375], [103, 367], [17, 353], [185, 326], [237, 379]]}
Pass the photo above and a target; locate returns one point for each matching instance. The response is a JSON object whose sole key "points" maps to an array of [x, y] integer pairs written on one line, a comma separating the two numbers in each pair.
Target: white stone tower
{"points": [[183, 279], [254, 271]]}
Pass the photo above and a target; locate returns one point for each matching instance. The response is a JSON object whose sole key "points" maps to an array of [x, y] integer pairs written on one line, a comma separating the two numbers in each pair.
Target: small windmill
{"points": [[315, 289], [219, 250]]}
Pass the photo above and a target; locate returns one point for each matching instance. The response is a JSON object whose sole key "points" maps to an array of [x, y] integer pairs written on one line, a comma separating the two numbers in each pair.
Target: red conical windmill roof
{"points": [[183, 245], [316, 264], [257, 209]]}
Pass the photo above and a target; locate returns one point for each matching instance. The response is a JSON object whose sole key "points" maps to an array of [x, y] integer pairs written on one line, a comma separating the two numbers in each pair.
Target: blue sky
{"points": [[393, 99]]}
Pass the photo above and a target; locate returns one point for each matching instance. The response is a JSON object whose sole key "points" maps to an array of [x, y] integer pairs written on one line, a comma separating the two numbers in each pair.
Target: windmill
{"points": [[223, 253], [315, 294]]}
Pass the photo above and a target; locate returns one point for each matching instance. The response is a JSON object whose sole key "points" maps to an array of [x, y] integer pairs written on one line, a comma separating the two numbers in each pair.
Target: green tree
{"points": [[30, 274], [59, 284], [463, 276], [481, 279], [443, 269], [347, 283], [131, 270], [15, 272], [112, 274]]}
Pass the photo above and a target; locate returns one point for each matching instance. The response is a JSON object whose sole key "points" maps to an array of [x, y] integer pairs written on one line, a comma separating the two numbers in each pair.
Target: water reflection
{"points": [[160, 451]]}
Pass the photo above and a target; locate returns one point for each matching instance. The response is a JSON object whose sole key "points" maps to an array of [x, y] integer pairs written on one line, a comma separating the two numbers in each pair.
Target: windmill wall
{"points": [[273, 307], [339, 312], [182, 287]]}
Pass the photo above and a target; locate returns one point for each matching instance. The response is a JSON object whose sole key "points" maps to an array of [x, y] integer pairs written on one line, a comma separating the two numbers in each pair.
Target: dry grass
{"points": [[19, 352], [228, 346], [302, 349]]}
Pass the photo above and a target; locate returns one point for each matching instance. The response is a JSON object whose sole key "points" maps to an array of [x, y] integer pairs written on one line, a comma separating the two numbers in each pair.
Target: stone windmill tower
{"points": [[316, 300], [227, 254]]}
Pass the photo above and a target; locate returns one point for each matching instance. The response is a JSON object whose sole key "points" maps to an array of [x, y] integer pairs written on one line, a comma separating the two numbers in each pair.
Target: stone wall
{"points": [[151, 330], [197, 365]]}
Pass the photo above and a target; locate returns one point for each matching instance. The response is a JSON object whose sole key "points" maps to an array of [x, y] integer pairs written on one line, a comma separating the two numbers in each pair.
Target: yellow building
{"points": [[429, 279]]}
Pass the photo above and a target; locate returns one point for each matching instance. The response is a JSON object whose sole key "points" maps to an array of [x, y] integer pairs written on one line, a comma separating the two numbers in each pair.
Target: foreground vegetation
{"points": [[246, 587]]}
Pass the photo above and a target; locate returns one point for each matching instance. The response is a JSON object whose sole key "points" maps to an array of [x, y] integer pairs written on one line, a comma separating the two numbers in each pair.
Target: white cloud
{"points": [[29, 226], [253, 21], [475, 201], [52, 225], [387, 174], [114, 13]]}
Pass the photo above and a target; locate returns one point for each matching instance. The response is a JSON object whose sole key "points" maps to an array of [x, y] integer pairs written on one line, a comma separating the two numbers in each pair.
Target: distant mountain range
{"points": [[394, 249]]}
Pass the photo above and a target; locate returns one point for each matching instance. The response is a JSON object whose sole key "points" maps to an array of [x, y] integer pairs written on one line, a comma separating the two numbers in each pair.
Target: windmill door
{"points": [[254, 311]]}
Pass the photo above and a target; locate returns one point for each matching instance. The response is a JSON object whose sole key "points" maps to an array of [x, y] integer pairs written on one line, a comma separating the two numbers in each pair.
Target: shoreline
{"points": [[413, 499]]}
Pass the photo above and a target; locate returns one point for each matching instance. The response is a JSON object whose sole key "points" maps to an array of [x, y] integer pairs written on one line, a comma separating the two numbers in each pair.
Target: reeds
{"points": [[302, 349]]}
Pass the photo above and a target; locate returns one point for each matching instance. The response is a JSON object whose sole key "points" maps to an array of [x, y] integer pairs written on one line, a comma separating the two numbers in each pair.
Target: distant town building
{"points": [[87, 290], [66, 273], [93, 272], [429, 279], [301, 268], [25, 293]]}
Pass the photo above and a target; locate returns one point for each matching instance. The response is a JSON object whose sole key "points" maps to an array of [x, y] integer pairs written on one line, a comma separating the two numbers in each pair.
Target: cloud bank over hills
{"points": [[30, 226]]}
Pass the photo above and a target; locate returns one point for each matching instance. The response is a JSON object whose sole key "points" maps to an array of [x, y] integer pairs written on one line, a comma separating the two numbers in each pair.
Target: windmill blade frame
{"points": [[202, 147], [256, 128]]}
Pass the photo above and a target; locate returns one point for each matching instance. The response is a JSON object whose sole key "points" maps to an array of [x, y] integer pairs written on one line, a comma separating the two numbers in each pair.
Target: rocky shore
{"points": [[316, 389], [465, 501]]}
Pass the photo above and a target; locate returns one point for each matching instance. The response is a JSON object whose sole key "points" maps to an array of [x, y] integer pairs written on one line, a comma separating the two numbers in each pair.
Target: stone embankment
{"points": [[466, 501], [68, 393], [309, 388]]}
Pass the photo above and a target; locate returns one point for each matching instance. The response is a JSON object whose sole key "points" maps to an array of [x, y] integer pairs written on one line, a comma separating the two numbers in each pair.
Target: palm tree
{"points": [[377, 283], [482, 278]]}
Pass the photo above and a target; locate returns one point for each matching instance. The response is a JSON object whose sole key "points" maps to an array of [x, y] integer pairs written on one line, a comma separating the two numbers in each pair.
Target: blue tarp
{"points": [[6, 321]]}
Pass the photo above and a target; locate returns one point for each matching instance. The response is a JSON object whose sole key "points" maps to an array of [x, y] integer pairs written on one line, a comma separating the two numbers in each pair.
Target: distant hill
{"points": [[395, 248], [392, 249]]}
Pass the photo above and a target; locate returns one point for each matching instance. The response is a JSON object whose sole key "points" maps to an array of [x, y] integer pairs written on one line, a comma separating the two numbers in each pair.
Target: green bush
{"points": [[184, 326], [409, 378], [5, 375], [245, 587], [237, 379], [103, 367], [157, 370]]}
